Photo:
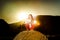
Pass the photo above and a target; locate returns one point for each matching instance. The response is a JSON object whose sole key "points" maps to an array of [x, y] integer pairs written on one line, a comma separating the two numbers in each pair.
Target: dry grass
{"points": [[30, 35]]}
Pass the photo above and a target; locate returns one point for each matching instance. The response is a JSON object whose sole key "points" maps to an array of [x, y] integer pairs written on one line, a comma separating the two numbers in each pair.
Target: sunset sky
{"points": [[11, 10]]}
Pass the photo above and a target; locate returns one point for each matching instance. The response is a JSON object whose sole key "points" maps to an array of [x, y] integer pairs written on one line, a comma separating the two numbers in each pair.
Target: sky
{"points": [[11, 10]]}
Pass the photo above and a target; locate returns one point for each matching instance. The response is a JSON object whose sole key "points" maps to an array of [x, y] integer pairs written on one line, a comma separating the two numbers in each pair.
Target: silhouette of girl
{"points": [[29, 22]]}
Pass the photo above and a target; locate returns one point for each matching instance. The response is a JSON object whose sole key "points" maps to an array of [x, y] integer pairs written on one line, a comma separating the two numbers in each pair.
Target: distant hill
{"points": [[17, 26], [49, 24], [3, 26], [6, 32]]}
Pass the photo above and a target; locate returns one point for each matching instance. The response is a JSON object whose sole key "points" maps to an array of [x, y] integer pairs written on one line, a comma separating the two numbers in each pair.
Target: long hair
{"points": [[31, 17]]}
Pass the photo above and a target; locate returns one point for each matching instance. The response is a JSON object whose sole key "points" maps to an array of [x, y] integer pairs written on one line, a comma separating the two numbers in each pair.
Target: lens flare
{"points": [[36, 23]]}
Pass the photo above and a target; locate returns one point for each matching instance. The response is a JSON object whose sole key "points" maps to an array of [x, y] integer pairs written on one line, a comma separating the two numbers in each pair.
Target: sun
{"points": [[22, 16]]}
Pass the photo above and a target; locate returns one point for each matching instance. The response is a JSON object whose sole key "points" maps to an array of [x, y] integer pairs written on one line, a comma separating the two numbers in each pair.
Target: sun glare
{"points": [[22, 16], [36, 23]]}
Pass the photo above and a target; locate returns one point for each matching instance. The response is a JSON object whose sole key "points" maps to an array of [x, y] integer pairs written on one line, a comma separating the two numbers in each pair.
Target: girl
{"points": [[29, 22]]}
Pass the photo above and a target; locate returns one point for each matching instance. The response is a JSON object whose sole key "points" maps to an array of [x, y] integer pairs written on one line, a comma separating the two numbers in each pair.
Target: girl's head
{"points": [[30, 16]]}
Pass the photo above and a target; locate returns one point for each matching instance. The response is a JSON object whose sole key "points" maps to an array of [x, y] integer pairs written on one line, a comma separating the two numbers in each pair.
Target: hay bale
{"points": [[30, 35]]}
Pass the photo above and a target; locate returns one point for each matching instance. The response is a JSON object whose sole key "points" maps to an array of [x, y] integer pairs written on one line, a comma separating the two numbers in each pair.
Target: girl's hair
{"points": [[31, 16]]}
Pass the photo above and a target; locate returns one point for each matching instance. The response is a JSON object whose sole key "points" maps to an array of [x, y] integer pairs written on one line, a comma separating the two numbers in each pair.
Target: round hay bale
{"points": [[30, 35]]}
